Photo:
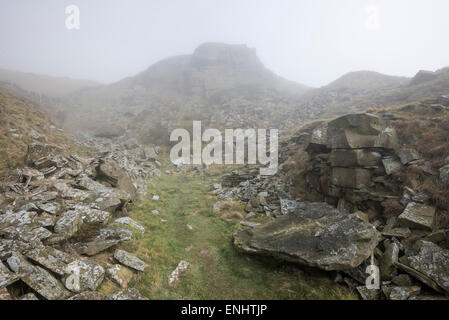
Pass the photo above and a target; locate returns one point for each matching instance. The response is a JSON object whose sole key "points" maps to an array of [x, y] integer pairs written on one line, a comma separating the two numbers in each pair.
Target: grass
{"points": [[217, 270]]}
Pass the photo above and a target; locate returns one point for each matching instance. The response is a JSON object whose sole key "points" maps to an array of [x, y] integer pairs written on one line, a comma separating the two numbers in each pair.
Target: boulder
{"points": [[38, 279], [6, 276], [119, 234], [84, 274], [36, 152], [428, 263], [390, 165], [110, 172], [51, 258], [130, 222], [68, 224], [360, 131], [129, 260], [408, 155], [417, 216], [315, 235], [94, 247]]}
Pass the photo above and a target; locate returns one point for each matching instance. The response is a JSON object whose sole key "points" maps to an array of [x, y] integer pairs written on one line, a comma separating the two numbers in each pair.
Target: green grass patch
{"points": [[217, 270]]}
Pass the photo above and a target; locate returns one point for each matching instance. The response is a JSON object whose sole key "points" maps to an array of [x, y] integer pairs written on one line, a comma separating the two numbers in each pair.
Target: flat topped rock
{"points": [[417, 216], [358, 131], [315, 235]]}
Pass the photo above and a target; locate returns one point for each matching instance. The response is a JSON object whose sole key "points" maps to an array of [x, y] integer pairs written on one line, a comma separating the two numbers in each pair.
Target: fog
{"points": [[309, 41]]}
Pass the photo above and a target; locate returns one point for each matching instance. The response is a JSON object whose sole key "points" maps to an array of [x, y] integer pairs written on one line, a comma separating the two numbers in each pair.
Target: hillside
{"points": [[43, 84], [357, 91], [219, 84], [21, 124]]}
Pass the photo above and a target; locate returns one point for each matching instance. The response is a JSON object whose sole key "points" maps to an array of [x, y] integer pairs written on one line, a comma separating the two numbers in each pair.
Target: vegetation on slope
{"points": [[217, 270]]}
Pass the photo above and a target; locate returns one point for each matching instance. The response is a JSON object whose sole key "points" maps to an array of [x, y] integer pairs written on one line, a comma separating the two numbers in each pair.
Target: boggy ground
{"points": [[217, 270]]}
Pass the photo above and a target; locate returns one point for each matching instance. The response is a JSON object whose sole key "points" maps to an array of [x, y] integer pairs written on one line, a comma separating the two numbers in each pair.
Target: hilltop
{"points": [[223, 85]]}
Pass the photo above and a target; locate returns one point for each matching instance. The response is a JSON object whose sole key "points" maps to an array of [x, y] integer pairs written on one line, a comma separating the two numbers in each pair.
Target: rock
{"points": [[120, 275], [437, 237], [417, 216], [402, 280], [316, 142], [68, 224], [9, 247], [155, 197], [404, 293], [155, 212], [130, 260], [428, 263], [119, 234], [360, 131], [354, 178], [389, 259], [130, 222], [94, 247], [126, 294], [368, 294], [92, 216], [391, 165], [249, 224], [355, 158], [444, 174], [288, 206], [51, 208], [174, 277], [88, 295], [408, 155], [84, 275], [37, 152], [110, 172], [38, 279], [315, 235], [6, 276], [51, 258], [400, 233]]}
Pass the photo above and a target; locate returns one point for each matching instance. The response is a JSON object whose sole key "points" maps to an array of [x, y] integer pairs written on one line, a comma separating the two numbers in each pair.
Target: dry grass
{"points": [[17, 119]]}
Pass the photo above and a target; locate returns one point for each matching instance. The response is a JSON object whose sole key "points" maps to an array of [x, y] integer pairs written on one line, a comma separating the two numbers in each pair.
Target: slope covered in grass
{"points": [[217, 270]]}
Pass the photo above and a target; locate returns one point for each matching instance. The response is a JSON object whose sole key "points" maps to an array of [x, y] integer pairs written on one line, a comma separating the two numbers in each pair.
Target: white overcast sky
{"points": [[309, 41]]}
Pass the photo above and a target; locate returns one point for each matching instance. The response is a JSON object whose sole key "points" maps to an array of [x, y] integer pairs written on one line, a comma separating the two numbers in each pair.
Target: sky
{"points": [[312, 42]]}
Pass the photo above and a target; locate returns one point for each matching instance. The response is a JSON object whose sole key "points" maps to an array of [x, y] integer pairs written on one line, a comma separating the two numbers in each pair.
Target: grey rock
{"points": [[316, 235], [417, 216], [130, 260], [428, 263]]}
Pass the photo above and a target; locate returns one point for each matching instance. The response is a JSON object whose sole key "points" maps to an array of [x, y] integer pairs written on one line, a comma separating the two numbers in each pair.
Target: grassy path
{"points": [[216, 270]]}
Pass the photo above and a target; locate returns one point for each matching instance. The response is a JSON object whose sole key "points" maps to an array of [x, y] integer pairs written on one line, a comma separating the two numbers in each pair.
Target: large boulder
{"points": [[315, 235], [360, 131]]}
